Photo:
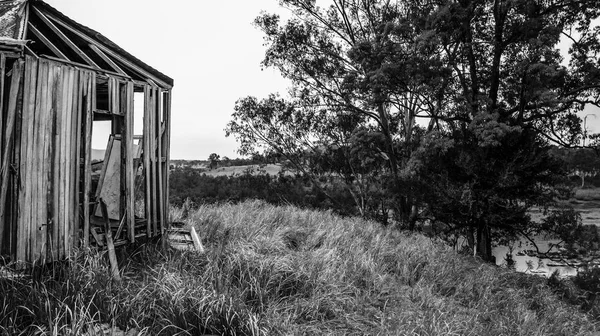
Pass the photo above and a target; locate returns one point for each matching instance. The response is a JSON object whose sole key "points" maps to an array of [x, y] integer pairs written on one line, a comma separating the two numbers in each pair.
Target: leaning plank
{"points": [[112, 257], [8, 140]]}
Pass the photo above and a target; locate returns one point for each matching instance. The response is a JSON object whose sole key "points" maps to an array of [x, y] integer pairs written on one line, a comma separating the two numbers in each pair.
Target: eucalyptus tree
{"points": [[487, 77]]}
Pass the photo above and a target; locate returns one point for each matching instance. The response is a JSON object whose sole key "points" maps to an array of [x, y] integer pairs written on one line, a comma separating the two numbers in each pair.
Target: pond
{"points": [[528, 262]]}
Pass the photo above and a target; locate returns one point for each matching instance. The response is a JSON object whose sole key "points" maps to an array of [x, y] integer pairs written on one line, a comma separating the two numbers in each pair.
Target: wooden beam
{"points": [[110, 53], [90, 101], [48, 43], [8, 139], [101, 72], [107, 59], [63, 37]]}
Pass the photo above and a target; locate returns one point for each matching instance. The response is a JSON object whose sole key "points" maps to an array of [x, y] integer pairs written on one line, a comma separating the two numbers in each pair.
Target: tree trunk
{"points": [[484, 243]]}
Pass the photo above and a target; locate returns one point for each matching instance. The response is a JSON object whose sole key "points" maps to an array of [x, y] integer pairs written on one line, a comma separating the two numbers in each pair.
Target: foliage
{"points": [[279, 189], [487, 74]]}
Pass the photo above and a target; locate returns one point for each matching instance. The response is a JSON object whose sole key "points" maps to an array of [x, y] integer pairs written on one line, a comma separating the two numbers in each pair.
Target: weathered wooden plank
{"points": [[16, 157], [2, 112], [4, 151], [60, 163], [39, 215], [25, 164], [44, 242], [54, 176], [146, 152], [87, 187], [8, 139], [78, 124], [159, 164], [25, 167], [129, 171], [75, 162], [153, 170], [110, 180], [67, 164], [167, 151], [125, 150], [112, 257]]}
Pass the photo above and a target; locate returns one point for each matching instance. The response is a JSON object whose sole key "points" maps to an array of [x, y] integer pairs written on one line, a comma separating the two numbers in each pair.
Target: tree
{"points": [[487, 74], [214, 160]]}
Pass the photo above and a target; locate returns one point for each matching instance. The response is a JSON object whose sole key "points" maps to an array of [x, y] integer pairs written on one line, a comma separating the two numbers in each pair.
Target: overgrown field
{"points": [[283, 271]]}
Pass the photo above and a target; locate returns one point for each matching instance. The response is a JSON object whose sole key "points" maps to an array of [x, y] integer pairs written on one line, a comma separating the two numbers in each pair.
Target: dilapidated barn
{"points": [[61, 85]]}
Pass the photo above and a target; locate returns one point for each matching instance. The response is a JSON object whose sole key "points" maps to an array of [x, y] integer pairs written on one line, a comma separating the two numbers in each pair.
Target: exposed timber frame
{"points": [[57, 82]]}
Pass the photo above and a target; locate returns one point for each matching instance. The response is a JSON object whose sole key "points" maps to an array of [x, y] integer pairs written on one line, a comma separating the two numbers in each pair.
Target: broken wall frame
{"points": [[46, 176]]}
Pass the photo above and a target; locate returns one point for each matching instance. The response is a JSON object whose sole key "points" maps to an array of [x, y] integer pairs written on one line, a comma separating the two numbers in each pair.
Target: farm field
{"points": [[271, 169]]}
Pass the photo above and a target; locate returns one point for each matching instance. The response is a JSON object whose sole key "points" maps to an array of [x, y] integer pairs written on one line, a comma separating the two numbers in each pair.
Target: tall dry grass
{"points": [[285, 271]]}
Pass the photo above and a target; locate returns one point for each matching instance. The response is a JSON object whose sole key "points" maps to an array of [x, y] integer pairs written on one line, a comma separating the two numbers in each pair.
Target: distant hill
{"points": [[271, 169], [98, 154]]}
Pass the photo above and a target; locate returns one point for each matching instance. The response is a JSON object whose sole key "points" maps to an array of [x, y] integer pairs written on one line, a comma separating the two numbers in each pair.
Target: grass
{"points": [[285, 271]]}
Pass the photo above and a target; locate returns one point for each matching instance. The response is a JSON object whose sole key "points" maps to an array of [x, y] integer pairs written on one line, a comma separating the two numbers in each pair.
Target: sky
{"points": [[212, 51], [210, 48]]}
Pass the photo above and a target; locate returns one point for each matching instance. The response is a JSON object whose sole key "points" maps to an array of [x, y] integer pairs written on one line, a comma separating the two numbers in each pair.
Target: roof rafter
{"points": [[64, 38], [110, 52], [47, 42], [107, 59]]}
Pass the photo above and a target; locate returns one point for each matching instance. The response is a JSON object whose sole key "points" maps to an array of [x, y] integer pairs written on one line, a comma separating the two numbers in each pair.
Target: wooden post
{"points": [[112, 257], [129, 170], [159, 163], [167, 152], [8, 137], [146, 153], [90, 104]]}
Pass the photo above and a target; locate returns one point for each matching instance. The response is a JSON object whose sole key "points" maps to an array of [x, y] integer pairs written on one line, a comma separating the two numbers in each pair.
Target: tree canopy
{"points": [[486, 78]]}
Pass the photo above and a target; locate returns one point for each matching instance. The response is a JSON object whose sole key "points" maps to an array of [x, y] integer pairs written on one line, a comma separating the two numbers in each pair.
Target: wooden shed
{"points": [[71, 103]]}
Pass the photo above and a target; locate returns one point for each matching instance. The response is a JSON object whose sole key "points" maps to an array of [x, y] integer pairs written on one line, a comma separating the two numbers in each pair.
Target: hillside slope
{"points": [[305, 272], [284, 271]]}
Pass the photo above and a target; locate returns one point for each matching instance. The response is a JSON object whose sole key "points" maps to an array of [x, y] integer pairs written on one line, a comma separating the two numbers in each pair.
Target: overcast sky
{"points": [[210, 49]]}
